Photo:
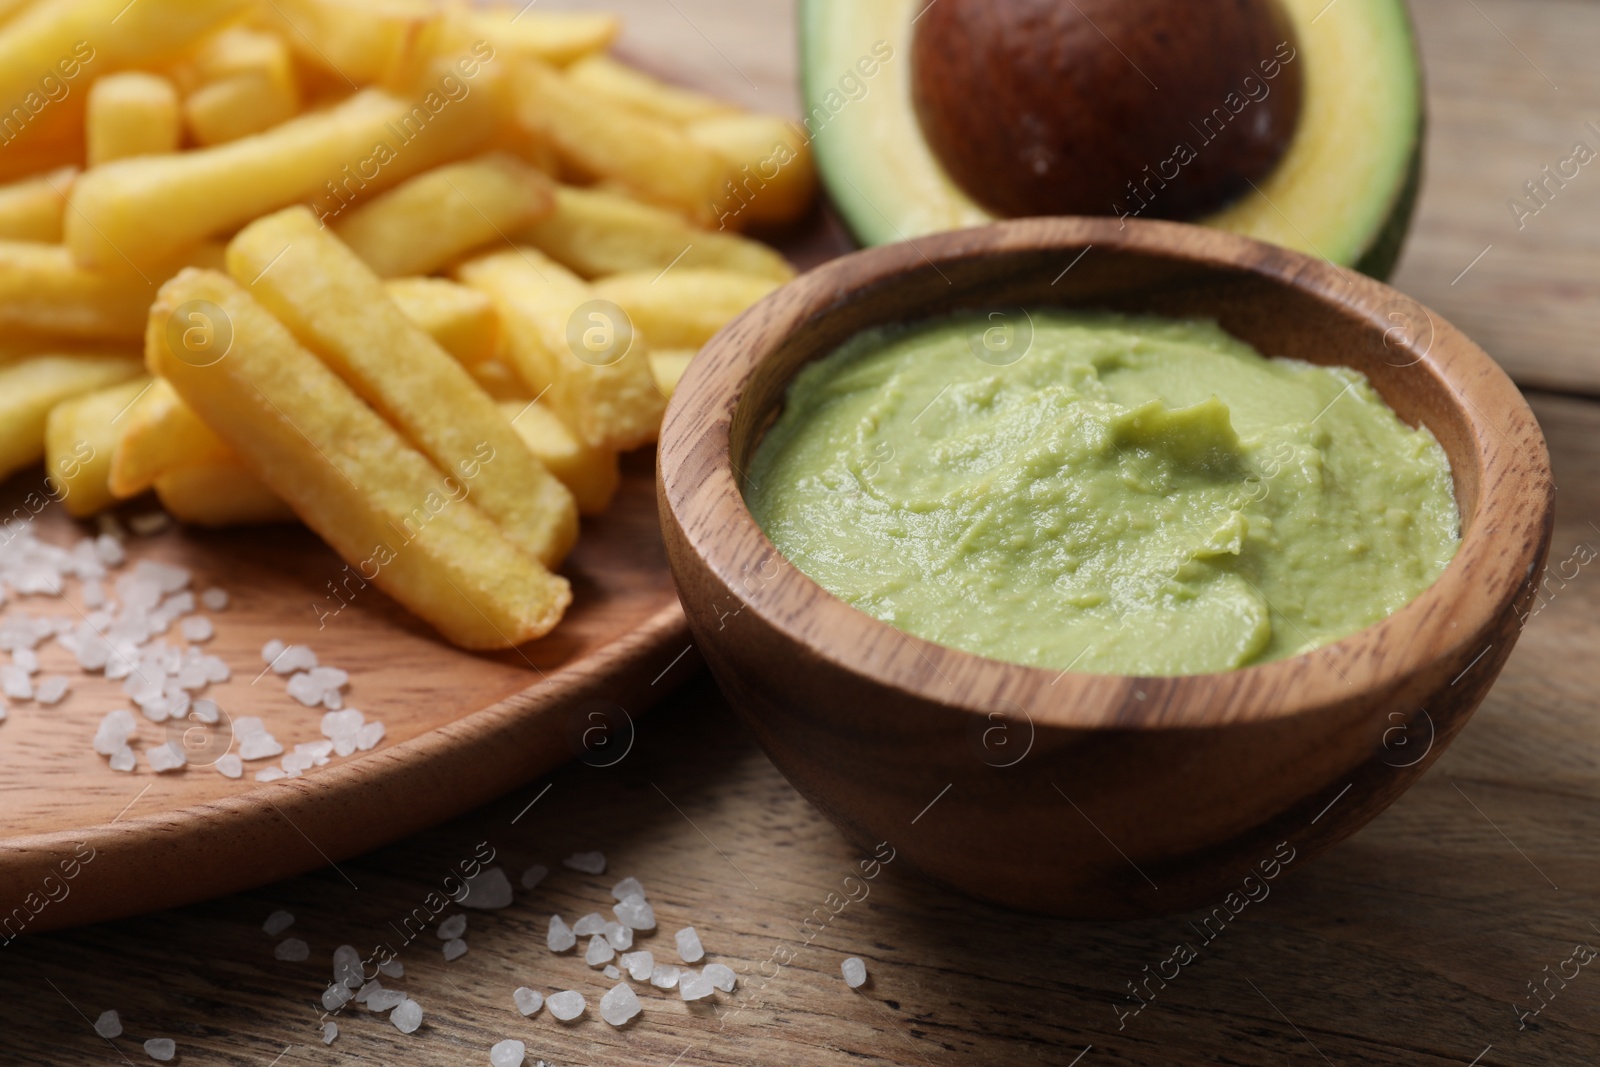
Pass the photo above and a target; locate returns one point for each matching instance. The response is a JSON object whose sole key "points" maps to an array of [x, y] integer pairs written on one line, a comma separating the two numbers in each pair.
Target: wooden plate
{"points": [[461, 728]]}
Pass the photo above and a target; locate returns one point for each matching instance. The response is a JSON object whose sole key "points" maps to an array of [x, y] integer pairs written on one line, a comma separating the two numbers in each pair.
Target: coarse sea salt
{"points": [[454, 949], [229, 766], [329, 1032], [587, 862], [215, 599], [385, 1000], [600, 952], [407, 1017], [664, 976], [51, 690], [164, 758], [452, 927], [621, 937], [277, 923], [628, 887], [534, 875], [639, 965], [592, 923], [560, 937], [528, 1001], [689, 948], [694, 985], [635, 912], [507, 1053], [566, 1005], [109, 1025], [160, 1048], [347, 966], [854, 971], [336, 996], [392, 969], [488, 890], [611, 972], [721, 976], [619, 1005]]}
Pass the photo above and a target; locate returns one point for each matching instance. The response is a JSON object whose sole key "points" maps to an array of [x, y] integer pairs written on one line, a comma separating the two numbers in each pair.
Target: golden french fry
{"points": [[32, 209], [462, 320], [597, 233], [556, 37], [351, 477], [31, 387], [581, 356], [593, 474], [143, 209], [218, 494], [683, 308], [337, 308], [361, 42], [131, 114], [80, 437], [774, 176], [653, 159], [159, 433], [668, 365], [43, 290], [238, 50], [238, 106], [609, 80], [430, 221]]}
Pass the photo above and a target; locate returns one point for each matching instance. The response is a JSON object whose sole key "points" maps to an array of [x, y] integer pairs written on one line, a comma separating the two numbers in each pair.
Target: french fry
{"points": [[131, 114], [80, 436], [159, 433], [348, 475], [32, 209], [218, 494], [597, 233], [31, 387], [592, 474], [554, 37], [238, 50], [683, 308], [50, 51], [774, 177], [609, 80], [230, 108], [654, 160], [500, 381], [430, 221], [337, 308], [607, 395], [362, 42], [144, 209], [462, 320], [44, 291], [668, 365]]}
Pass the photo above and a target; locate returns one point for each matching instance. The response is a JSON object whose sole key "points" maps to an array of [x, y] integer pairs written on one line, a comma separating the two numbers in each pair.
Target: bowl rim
{"points": [[1499, 551]]}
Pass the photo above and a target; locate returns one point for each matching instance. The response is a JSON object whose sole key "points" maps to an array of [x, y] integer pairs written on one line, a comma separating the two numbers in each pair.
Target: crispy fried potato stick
{"points": [[80, 437], [683, 308], [349, 476], [32, 386]]}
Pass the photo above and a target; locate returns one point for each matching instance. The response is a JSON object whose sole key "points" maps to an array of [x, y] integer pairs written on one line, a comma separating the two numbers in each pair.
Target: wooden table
{"points": [[1413, 943]]}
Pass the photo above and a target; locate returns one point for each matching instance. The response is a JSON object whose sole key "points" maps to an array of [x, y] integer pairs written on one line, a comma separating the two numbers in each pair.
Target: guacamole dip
{"points": [[1127, 495]]}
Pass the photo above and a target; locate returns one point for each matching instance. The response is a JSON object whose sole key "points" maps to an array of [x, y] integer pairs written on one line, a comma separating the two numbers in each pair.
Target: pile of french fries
{"points": [[413, 272]]}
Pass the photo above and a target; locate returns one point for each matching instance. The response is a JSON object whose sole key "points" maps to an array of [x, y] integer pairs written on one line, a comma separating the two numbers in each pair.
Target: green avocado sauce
{"points": [[1123, 495]]}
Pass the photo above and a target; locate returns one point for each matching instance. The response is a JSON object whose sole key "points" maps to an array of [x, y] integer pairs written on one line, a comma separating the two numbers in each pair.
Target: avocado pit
{"points": [[1157, 108]]}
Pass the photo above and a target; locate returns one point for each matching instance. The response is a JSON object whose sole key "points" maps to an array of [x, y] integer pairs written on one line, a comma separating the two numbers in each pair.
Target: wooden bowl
{"points": [[1083, 794]]}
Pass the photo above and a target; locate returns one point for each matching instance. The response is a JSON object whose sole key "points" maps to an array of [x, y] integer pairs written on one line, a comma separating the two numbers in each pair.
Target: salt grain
{"points": [[407, 1017], [337, 724], [293, 658], [694, 985], [164, 758], [664, 976], [566, 1005], [639, 965], [392, 969], [488, 890], [277, 923], [587, 862], [507, 1053], [26, 659], [160, 1048], [271, 774], [15, 683], [592, 923], [452, 928], [229, 766], [611, 972], [115, 729], [367, 989], [123, 759], [259, 746], [368, 736], [454, 949], [271, 651], [336, 996], [109, 1025], [215, 599], [329, 1032], [534, 875], [560, 936], [51, 690], [636, 912], [689, 948], [600, 951], [628, 887], [621, 937], [721, 976], [528, 1001], [854, 971], [347, 966], [197, 629], [148, 525], [619, 1005], [384, 1000]]}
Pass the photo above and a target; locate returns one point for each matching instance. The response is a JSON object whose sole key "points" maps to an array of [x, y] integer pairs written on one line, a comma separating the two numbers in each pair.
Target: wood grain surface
{"points": [[1412, 943]]}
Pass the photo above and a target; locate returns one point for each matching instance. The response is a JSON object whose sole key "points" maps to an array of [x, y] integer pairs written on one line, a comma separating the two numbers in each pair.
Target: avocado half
{"points": [[1344, 189]]}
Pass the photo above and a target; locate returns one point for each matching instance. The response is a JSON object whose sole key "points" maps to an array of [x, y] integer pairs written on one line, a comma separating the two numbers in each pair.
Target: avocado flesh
{"points": [[1343, 191]]}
